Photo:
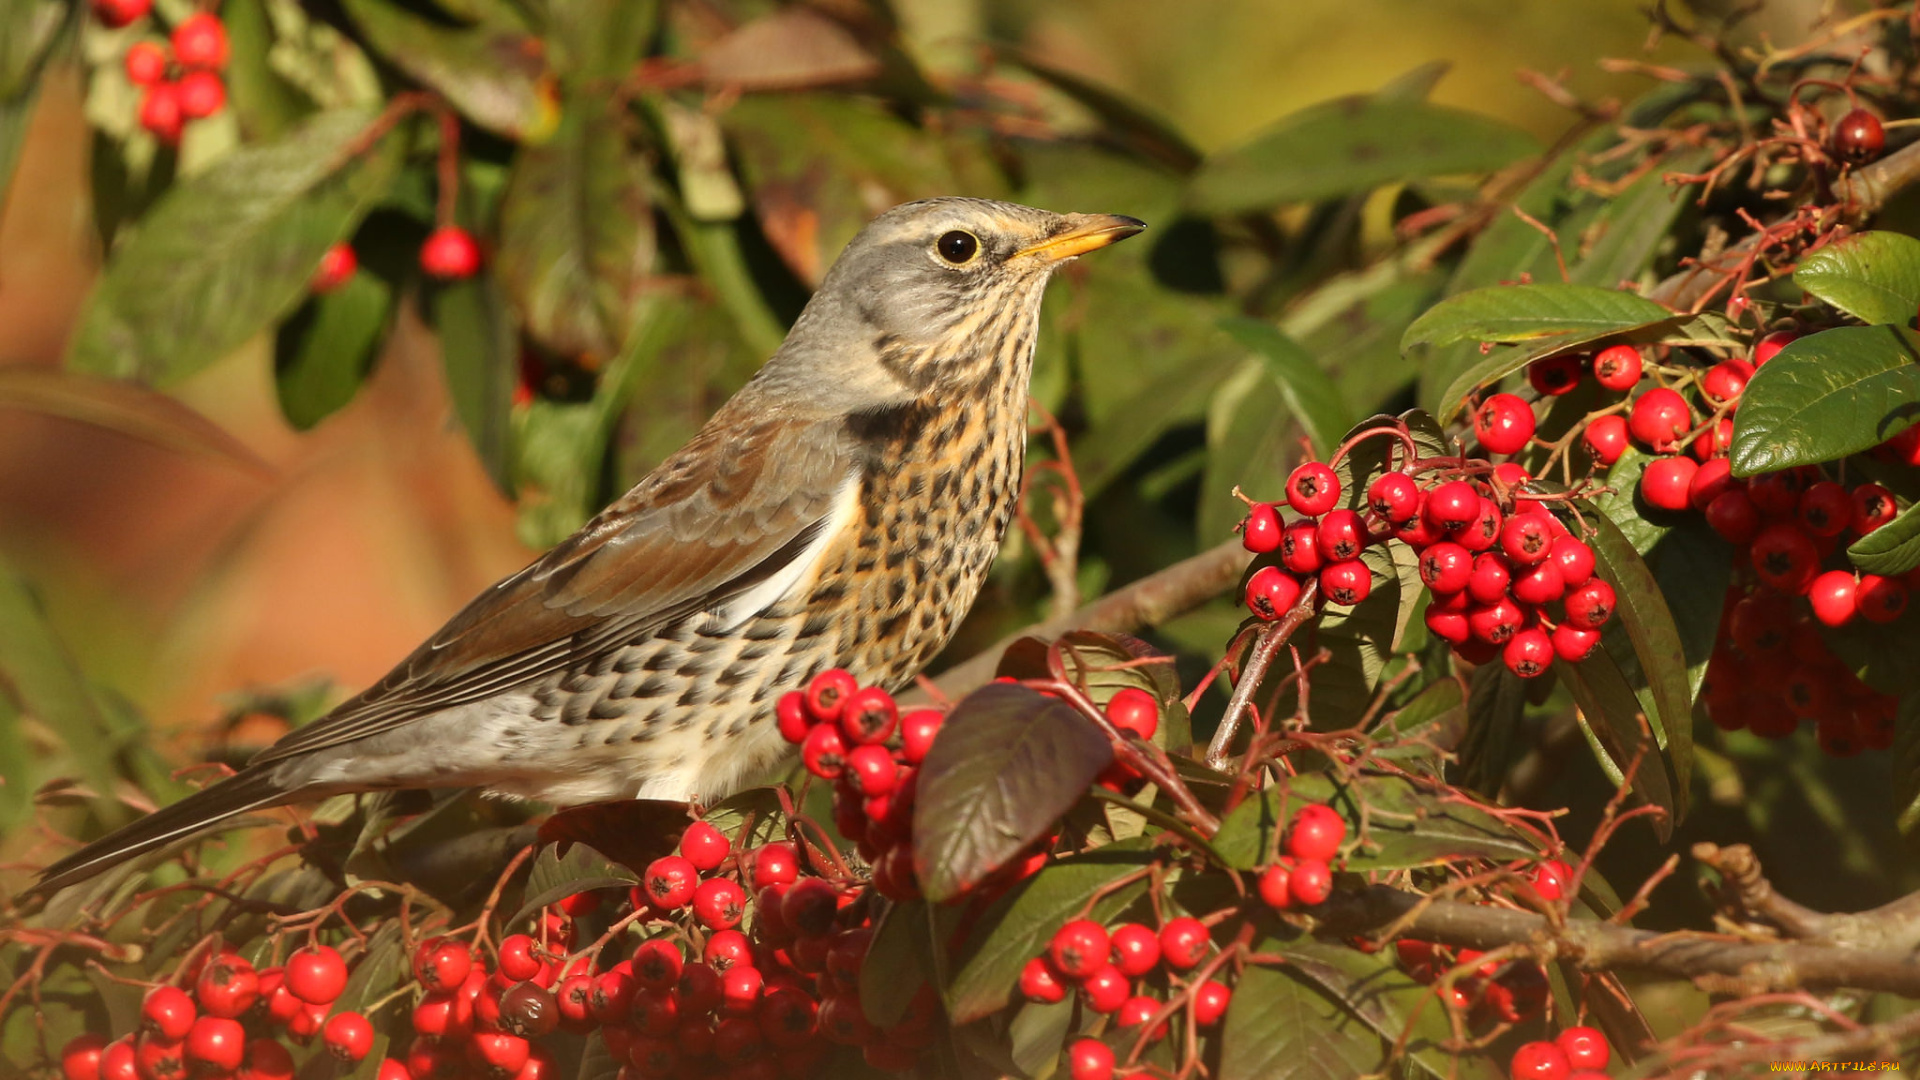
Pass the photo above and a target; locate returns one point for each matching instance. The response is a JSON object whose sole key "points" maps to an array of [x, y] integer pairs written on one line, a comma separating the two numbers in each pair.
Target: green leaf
{"points": [[1826, 396], [1309, 394], [264, 102], [1251, 445], [1017, 927], [1622, 505], [1130, 121], [599, 39], [1505, 361], [555, 877], [1608, 718], [1872, 276], [576, 233], [1893, 548], [126, 408], [1349, 145], [1281, 1027], [899, 958], [230, 250], [1408, 825], [1496, 708], [1374, 988], [1509, 313], [324, 351], [1009, 761], [1631, 227], [480, 350], [493, 74]]}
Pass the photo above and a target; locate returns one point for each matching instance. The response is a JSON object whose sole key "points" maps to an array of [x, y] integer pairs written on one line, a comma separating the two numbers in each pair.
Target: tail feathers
{"points": [[235, 795]]}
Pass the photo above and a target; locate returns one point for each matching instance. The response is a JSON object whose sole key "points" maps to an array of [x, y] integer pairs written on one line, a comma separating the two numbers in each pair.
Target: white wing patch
{"points": [[804, 567]]}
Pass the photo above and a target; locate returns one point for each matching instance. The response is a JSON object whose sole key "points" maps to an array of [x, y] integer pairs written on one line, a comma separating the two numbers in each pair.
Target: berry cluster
{"points": [[1303, 877], [179, 77], [1132, 973], [1771, 669], [1495, 560], [228, 1024], [1577, 1053]]}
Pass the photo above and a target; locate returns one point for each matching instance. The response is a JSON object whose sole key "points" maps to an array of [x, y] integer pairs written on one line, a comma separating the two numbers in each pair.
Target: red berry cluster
{"points": [[1494, 560], [230, 1024], [1771, 668], [1303, 877], [180, 77], [1577, 1053], [1493, 992]]}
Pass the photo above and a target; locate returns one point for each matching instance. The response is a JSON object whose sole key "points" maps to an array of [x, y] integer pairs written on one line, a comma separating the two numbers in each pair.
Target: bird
{"points": [[841, 510]]}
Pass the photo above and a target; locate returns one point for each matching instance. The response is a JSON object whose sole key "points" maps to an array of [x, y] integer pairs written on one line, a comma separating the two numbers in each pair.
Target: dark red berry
{"points": [[1483, 531], [824, 752], [1825, 509], [1079, 948], [1733, 515], [1556, 375], [1859, 137], [1873, 506], [118, 13], [1495, 623], [1346, 583], [1881, 599], [1784, 556], [869, 716], [1591, 605], [1711, 480], [1529, 653], [1272, 592], [1574, 644], [1300, 547], [872, 770], [450, 254], [1834, 596], [1313, 489], [1617, 367], [1667, 481]]}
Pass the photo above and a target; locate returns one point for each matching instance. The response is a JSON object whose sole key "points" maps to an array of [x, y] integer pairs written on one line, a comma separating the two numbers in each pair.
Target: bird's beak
{"points": [[1085, 232]]}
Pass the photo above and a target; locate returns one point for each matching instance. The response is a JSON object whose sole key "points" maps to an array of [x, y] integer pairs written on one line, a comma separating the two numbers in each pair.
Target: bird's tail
{"points": [[248, 790]]}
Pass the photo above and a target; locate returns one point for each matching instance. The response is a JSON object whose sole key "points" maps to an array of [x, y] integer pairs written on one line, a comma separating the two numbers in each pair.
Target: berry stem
{"points": [[1272, 637]]}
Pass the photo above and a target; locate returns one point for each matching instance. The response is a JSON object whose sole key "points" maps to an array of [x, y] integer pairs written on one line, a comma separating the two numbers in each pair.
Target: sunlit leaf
{"points": [[1872, 276], [1826, 396]]}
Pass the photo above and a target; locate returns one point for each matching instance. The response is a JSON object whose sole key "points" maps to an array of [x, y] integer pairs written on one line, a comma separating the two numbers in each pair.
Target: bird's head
{"points": [[940, 292]]}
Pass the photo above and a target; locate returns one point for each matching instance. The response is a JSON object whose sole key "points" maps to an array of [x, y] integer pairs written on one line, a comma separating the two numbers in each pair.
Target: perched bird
{"points": [[841, 510]]}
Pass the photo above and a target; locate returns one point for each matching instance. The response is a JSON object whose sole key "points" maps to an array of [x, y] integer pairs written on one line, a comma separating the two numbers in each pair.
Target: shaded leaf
{"points": [[1392, 1002], [554, 877], [1496, 706], [1509, 313], [898, 960], [1872, 276], [1349, 145], [324, 351], [1016, 927], [1133, 122], [1826, 396], [126, 408], [1608, 717], [1281, 1027], [1408, 825], [1009, 761], [230, 250], [495, 74], [599, 39], [1906, 766], [480, 352], [787, 49], [263, 101], [1631, 226], [1893, 548], [1309, 394]]}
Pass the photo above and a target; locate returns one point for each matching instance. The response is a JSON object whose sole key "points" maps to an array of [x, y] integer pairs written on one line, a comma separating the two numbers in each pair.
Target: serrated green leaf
{"points": [[1510, 313], [323, 352], [1309, 394], [1008, 763], [1872, 276], [1893, 548], [1016, 927], [1826, 396], [230, 250], [494, 74], [1349, 145]]}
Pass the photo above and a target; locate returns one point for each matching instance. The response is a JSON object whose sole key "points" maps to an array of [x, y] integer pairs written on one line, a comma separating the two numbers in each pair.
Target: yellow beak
{"points": [[1086, 232]]}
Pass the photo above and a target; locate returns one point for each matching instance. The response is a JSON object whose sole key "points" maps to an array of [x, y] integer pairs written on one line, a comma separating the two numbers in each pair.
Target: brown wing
{"points": [[726, 512]]}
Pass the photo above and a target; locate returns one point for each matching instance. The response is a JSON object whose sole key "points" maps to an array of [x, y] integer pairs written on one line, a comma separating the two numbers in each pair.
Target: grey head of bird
{"points": [[931, 296]]}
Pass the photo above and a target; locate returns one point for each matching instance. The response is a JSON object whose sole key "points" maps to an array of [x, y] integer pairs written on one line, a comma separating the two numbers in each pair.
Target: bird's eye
{"points": [[958, 247]]}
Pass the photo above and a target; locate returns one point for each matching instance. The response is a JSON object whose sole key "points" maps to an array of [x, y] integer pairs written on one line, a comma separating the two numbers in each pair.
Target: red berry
{"points": [[500, 1055], [1317, 832], [740, 989], [450, 254], [1539, 1061], [167, 1013], [1210, 1001], [872, 770], [1617, 367], [1300, 547], [1039, 982], [118, 1062], [216, 1044], [1504, 424], [791, 717], [704, 846], [788, 1018], [1540, 585], [809, 906], [1834, 596], [146, 63], [1606, 438], [869, 716], [1591, 605], [824, 752], [1527, 539], [1658, 418], [1711, 480], [80, 1058], [1449, 626], [442, 965], [160, 112], [1105, 989], [1713, 442], [202, 94], [1770, 346], [1340, 536], [1346, 583], [1275, 885], [1089, 1059], [670, 880], [1260, 533], [1826, 509], [1134, 949], [1529, 653], [1573, 558], [719, 904], [775, 864], [1552, 879], [118, 13], [1778, 493], [337, 267], [1136, 1011], [316, 975], [658, 965], [1873, 506], [1453, 505], [389, 1068], [1419, 530], [1079, 948], [1573, 644], [1859, 137], [917, 730], [1446, 567], [1484, 530], [348, 1036], [1555, 375], [1272, 592], [1585, 1047], [1313, 489], [519, 959], [1311, 882], [200, 41], [1667, 482], [1733, 515], [1490, 577], [1134, 710], [1184, 943], [159, 1059], [1784, 557], [1726, 380], [1395, 496], [1882, 599], [1495, 623]]}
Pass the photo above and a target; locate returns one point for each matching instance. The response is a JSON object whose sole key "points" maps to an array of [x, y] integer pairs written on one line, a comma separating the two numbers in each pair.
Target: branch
{"points": [[1717, 963], [1148, 602]]}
